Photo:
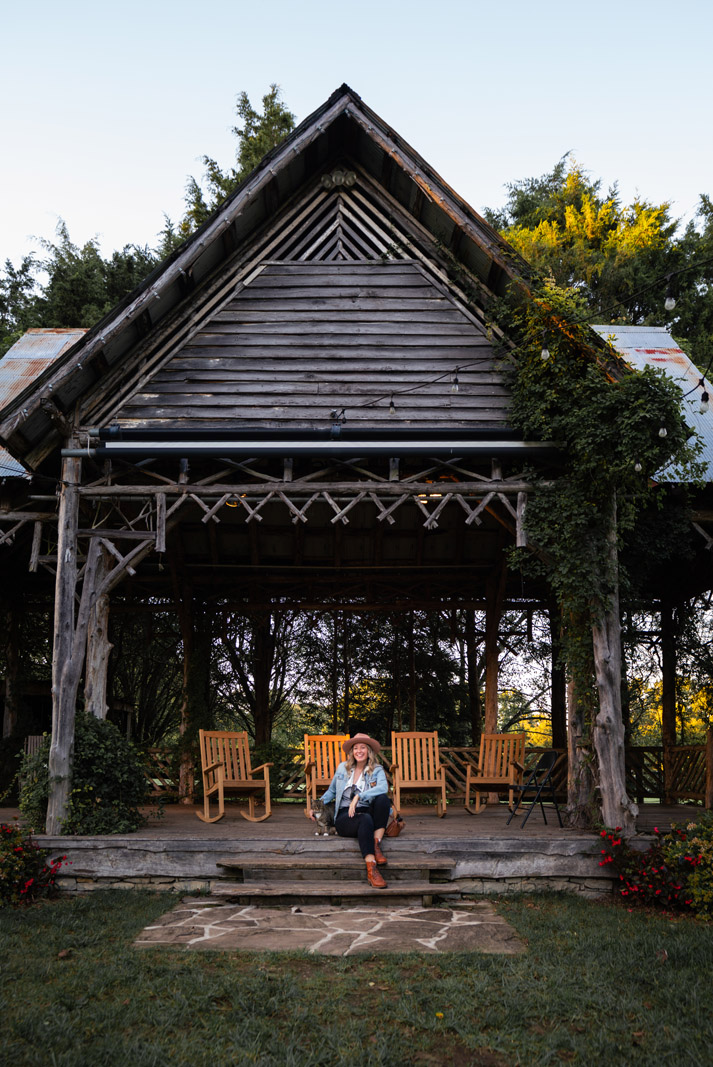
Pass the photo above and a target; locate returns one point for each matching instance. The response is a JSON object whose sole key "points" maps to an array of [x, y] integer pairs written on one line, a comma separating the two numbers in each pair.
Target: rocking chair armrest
{"points": [[212, 766], [520, 766], [260, 768], [309, 765]]}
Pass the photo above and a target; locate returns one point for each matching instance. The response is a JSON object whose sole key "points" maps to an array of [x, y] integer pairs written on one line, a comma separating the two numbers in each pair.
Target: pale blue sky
{"points": [[107, 109]]}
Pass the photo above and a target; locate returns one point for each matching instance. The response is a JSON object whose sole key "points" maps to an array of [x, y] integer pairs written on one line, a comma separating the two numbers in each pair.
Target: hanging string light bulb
{"points": [[705, 403], [637, 467], [392, 406], [545, 353], [455, 383], [670, 301], [663, 432]]}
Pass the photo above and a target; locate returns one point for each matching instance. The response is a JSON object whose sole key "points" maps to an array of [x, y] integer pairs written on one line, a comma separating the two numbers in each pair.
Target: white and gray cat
{"points": [[324, 816]]}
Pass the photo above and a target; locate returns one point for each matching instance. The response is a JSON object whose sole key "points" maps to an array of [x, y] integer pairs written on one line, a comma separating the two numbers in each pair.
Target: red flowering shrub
{"points": [[26, 874], [646, 877]]}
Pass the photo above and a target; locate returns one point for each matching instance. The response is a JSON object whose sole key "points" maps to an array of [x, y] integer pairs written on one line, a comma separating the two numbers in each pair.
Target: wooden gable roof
{"points": [[343, 272]]}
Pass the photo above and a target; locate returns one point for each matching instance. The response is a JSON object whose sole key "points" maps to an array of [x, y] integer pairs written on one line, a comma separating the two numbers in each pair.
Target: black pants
{"points": [[363, 823]]}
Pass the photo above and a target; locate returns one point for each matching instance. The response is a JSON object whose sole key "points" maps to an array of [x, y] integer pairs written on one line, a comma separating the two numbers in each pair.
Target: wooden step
{"points": [[313, 893], [332, 861]]}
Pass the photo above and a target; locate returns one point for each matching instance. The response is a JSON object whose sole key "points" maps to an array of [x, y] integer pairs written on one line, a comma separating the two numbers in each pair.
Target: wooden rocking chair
{"points": [[416, 767], [323, 754], [225, 765], [501, 764]]}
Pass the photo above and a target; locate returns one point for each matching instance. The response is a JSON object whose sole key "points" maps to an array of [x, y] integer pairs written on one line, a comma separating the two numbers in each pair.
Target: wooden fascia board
{"points": [[436, 189], [184, 261]]}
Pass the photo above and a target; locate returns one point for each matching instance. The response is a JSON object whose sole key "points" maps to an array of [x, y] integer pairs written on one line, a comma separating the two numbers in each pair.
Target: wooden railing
{"points": [[644, 773], [688, 774]]}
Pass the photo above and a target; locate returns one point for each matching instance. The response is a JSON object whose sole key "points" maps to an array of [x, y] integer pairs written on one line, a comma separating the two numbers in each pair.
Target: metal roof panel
{"points": [[653, 346], [30, 356]]}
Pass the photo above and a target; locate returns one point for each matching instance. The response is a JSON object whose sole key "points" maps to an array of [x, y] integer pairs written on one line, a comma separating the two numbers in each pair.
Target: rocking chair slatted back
{"points": [[226, 766], [323, 754], [416, 767], [501, 763]]}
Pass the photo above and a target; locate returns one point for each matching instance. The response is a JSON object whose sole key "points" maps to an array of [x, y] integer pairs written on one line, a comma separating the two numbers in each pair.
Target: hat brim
{"points": [[361, 739]]}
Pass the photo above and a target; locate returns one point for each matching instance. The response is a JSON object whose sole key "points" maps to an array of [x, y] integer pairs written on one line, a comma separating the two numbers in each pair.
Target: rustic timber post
{"points": [[184, 606], [494, 594], [98, 650], [668, 694], [473, 680], [347, 675], [608, 725], [265, 627], [70, 640], [411, 675], [12, 672], [559, 679], [335, 675], [579, 767]]}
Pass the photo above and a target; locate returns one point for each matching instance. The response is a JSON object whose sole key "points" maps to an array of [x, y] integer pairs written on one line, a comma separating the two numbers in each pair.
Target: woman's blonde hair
{"points": [[371, 762]]}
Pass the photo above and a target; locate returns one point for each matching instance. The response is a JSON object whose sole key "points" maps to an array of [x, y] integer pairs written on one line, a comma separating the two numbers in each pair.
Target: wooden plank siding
{"points": [[303, 338]]}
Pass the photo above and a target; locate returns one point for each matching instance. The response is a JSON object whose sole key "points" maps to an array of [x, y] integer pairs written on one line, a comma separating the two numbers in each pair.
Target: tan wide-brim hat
{"points": [[362, 739]]}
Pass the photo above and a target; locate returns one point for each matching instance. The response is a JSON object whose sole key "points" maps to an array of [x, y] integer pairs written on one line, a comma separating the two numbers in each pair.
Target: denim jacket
{"points": [[375, 784]]}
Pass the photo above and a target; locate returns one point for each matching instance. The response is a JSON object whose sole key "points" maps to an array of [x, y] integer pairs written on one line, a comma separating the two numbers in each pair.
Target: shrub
{"points": [[658, 876], [689, 850], [26, 873], [108, 782]]}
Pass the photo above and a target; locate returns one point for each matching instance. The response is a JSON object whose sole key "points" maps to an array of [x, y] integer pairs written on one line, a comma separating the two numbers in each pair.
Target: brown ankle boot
{"points": [[380, 857], [373, 875]]}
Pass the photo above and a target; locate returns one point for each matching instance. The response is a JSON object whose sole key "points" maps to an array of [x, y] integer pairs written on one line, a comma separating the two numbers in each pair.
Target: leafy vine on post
{"points": [[618, 429]]}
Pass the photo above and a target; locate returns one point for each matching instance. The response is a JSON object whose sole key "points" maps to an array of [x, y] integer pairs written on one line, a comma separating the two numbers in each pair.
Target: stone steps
{"points": [[289, 892], [330, 878]]}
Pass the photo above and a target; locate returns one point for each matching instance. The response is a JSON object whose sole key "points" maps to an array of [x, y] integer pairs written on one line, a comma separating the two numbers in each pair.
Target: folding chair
{"points": [[531, 790]]}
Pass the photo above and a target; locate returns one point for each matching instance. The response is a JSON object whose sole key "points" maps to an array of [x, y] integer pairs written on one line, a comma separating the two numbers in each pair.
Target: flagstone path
{"points": [[333, 931]]}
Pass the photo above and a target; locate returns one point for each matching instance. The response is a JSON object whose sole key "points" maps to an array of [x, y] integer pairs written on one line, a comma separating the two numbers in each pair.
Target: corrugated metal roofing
{"points": [[30, 356], [9, 467], [20, 366], [653, 346]]}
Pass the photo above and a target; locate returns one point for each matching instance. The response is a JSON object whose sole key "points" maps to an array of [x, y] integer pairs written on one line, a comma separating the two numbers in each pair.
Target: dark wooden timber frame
{"points": [[305, 404]]}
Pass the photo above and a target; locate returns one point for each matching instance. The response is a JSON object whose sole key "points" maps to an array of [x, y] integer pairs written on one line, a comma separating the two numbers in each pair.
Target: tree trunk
{"points": [[608, 727]]}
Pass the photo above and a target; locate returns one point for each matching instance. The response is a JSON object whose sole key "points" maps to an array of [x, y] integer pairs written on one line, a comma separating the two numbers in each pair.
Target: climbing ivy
{"points": [[617, 430]]}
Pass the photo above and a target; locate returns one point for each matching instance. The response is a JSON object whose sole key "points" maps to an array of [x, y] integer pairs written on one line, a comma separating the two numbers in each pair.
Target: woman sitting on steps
{"points": [[361, 805]]}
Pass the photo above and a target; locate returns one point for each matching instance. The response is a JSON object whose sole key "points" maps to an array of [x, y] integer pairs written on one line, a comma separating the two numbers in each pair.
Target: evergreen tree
{"points": [[258, 135]]}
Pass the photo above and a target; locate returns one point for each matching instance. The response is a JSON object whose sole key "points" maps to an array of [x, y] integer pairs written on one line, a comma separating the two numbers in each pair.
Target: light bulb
{"points": [[455, 385], [705, 404], [670, 301], [637, 467], [663, 432], [392, 407], [545, 353]]}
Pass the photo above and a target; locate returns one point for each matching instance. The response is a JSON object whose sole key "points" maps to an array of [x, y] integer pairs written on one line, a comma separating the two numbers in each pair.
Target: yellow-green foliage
{"points": [[690, 851]]}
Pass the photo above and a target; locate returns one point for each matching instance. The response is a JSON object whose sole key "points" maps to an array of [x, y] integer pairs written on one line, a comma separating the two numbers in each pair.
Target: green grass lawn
{"points": [[597, 986]]}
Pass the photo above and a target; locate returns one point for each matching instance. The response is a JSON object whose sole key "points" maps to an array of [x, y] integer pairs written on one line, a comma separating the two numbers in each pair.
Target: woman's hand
{"points": [[353, 804]]}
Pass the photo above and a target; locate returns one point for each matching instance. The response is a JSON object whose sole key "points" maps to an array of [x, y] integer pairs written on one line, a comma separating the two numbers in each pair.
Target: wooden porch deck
{"points": [[178, 852]]}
